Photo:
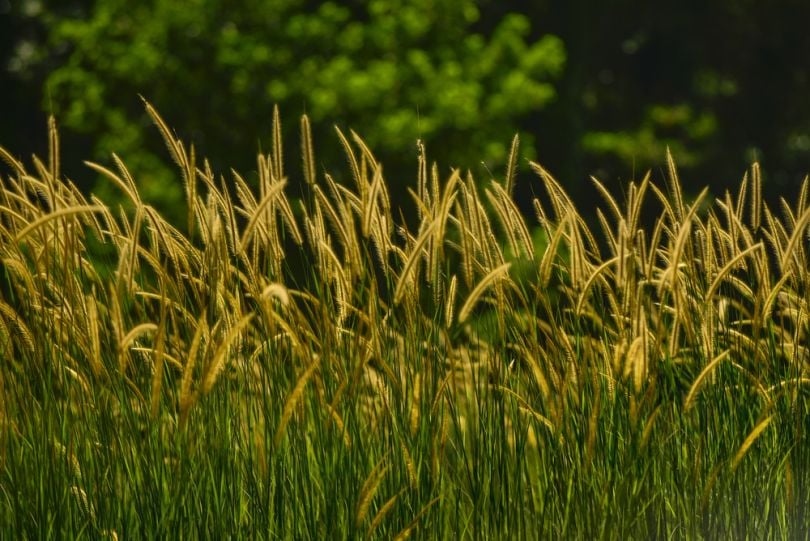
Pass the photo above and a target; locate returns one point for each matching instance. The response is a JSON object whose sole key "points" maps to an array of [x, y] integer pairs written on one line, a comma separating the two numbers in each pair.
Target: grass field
{"points": [[319, 368]]}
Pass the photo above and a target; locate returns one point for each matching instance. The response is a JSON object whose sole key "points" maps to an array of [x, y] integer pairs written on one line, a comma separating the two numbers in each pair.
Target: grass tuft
{"points": [[316, 367]]}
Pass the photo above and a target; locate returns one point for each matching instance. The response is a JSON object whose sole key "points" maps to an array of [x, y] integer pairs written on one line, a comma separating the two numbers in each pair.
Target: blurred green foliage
{"points": [[394, 71], [720, 83], [661, 126], [596, 88]]}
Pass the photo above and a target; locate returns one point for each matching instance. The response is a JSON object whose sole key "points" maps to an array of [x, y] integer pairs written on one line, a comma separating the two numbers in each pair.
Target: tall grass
{"points": [[317, 368]]}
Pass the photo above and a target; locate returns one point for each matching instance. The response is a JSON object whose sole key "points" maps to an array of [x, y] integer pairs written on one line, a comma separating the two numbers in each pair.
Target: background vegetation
{"points": [[593, 88]]}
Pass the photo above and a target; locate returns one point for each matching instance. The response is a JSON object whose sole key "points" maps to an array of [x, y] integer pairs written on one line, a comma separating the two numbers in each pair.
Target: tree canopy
{"points": [[593, 88]]}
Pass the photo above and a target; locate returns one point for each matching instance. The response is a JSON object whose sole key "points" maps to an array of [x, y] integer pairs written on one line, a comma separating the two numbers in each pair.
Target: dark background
{"points": [[593, 88]]}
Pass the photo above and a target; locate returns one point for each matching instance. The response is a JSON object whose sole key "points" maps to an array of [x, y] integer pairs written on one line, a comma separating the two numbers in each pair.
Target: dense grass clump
{"points": [[317, 368]]}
